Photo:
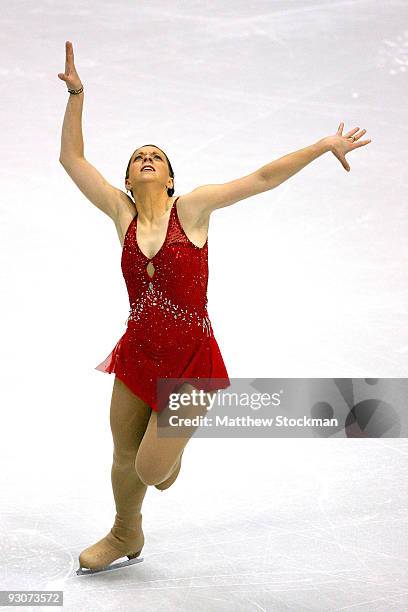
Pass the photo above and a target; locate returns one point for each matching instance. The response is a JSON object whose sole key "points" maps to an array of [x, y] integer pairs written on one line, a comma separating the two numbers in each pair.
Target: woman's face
{"points": [[148, 156]]}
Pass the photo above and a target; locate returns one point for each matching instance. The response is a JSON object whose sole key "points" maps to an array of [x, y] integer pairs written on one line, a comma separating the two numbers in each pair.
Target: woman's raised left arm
{"points": [[281, 169], [207, 198]]}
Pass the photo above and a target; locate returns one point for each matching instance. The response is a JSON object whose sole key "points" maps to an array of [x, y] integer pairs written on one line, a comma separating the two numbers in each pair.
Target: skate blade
{"points": [[82, 571]]}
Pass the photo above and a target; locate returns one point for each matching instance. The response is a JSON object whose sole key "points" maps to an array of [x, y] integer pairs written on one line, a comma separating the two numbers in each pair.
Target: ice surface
{"points": [[308, 279]]}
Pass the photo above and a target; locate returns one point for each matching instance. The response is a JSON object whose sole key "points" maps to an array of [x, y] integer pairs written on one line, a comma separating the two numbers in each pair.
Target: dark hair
{"points": [[170, 191]]}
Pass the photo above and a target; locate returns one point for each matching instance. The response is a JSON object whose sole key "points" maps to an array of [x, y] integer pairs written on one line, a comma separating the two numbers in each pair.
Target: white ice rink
{"points": [[306, 280]]}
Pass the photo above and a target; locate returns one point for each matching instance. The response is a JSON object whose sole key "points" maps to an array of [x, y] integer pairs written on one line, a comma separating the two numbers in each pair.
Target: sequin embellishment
{"points": [[169, 333]]}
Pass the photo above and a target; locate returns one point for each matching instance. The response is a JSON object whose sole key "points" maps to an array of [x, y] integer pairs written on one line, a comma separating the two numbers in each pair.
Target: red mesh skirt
{"points": [[139, 365]]}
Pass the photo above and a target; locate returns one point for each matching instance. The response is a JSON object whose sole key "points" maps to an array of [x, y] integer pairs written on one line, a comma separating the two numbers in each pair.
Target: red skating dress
{"points": [[169, 333]]}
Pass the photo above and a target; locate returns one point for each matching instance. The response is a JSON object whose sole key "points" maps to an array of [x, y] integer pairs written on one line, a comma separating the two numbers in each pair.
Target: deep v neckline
{"points": [[165, 238]]}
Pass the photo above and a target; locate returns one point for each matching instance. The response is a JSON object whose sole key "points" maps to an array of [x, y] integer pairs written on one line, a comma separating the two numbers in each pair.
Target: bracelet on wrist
{"points": [[76, 91]]}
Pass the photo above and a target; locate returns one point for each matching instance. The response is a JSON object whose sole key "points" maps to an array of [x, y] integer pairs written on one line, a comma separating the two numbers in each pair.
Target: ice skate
{"points": [[121, 541], [162, 486]]}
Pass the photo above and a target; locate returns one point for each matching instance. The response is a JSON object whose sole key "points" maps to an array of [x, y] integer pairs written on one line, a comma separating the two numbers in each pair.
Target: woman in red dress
{"points": [[169, 334]]}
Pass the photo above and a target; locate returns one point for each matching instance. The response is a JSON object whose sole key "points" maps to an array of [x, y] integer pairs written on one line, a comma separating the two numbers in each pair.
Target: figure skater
{"points": [[169, 334]]}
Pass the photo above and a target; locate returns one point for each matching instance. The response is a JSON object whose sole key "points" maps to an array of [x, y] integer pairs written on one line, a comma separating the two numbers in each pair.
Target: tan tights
{"points": [[129, 417], [140, 456]]}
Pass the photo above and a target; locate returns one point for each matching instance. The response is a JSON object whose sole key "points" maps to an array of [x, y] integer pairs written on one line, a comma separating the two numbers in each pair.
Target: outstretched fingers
{"points": [[360, 144], [356, 132]]}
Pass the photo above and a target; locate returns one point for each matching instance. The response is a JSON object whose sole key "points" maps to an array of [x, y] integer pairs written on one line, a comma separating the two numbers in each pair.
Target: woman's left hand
{"points": [[340, 145]]}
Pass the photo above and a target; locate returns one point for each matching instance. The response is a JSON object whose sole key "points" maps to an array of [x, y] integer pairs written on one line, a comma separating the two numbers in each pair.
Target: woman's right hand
{"points": [[70, 76]]}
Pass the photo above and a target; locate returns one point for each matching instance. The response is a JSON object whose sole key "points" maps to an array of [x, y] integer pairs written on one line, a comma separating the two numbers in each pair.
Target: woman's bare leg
{"points": [[129, 417], [158, 457]]}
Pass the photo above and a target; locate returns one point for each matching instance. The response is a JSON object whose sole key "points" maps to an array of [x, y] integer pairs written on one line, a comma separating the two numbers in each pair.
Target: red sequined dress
{"points": [[169, 333]]}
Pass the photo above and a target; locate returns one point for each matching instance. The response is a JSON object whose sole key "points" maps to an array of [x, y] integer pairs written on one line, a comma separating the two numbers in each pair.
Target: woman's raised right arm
{"points": [[87, 178]]}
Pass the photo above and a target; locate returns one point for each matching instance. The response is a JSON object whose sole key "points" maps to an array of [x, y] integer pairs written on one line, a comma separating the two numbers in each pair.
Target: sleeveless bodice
{"points": [[175, 297], [168, 333]]}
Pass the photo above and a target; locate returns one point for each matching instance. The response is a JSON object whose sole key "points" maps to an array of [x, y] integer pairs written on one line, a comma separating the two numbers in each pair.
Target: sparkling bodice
{"points": [[174, 298]]}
